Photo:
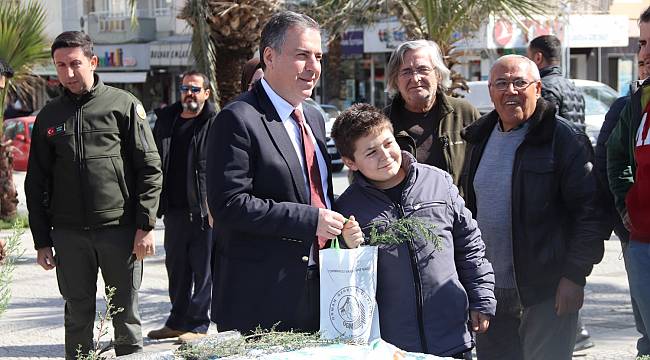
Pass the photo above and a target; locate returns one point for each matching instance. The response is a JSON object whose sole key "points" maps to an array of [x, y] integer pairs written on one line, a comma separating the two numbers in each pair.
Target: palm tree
{"points": [[226, 35], [234, 31], [436, 20], [22, 45]]}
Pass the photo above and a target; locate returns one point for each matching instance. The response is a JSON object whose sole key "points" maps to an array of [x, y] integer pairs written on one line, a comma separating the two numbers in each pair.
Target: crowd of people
{"points": [[517, 199]]}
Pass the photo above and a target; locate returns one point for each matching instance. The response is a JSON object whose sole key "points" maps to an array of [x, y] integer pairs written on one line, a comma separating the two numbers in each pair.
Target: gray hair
{"points": [[275, 31], [397, 59], [534, 71]]}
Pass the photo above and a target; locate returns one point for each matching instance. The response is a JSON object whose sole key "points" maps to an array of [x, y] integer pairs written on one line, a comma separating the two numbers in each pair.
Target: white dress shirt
{"points": [[284, 110]]}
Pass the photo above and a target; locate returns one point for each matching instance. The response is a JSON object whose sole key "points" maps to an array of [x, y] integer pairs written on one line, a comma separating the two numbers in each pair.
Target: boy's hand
{"points": [[480, 322], [352, 233]]}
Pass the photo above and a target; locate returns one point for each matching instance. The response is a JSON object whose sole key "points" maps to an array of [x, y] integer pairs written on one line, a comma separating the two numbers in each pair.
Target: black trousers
{"points": [[188, 248]]}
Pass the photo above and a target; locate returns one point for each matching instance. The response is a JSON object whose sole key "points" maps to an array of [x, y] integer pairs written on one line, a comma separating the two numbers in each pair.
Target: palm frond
{"points": [[22, 44], [203, 48], [133, 11]]}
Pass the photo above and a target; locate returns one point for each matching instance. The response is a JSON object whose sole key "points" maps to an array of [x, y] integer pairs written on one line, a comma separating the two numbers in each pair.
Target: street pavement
{"points": [[32, 327]]}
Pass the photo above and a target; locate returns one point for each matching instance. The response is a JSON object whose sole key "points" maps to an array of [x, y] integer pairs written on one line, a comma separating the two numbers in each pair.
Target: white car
{"points": [[598, 98]]}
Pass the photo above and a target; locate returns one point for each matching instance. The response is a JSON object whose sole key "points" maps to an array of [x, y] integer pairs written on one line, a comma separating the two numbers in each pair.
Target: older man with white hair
{"points": [[427, 122], [531, 188]]}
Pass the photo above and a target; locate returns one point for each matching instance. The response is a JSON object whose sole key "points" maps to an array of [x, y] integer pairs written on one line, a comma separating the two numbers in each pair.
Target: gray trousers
{"points": [[530, 333], [79, 254]]}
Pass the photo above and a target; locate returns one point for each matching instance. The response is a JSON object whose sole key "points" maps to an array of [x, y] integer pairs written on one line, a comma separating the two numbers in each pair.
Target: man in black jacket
{"points": [[529, 184], [181, 132], [546, 52]]}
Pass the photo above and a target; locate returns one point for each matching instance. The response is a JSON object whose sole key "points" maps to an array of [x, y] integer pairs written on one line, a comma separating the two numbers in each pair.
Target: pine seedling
{"points": [[403, 229], [102, 328], [259, 343], [8, 265]]}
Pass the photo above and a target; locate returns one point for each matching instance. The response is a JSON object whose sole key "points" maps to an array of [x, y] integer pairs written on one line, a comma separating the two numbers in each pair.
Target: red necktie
{"points": [[316, 195]]}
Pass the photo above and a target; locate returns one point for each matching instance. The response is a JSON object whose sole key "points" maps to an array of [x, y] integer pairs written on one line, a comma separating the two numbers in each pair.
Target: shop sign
{"points": [[383, 37], [123, 56], [171, 54], [352, 42], [507, 34], [584, 31]]}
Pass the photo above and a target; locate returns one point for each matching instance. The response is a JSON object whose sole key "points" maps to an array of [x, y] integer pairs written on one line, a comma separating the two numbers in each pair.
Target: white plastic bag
{"points": [[348, 284]]}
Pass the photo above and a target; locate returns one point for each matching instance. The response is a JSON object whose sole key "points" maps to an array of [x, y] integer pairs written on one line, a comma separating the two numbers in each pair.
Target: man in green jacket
{"points": [[628, 171], [427, 122], [93, 184]]}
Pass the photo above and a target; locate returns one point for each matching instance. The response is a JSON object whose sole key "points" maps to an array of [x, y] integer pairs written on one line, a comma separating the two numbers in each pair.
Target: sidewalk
{"points": [[32, 327]]}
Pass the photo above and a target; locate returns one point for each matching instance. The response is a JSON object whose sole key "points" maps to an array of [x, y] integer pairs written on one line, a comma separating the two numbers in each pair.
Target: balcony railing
{"points": [[112, 27]]}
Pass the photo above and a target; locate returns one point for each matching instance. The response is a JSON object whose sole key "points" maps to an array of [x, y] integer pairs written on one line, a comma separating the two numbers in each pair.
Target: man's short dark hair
{"points": [[356, 122], [5, 69], [549, 45], [73, 39], [275, 31], [645, 16], [206, 81]]}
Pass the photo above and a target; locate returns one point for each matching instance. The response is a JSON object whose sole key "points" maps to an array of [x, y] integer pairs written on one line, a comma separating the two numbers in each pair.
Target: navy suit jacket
{"points": [[264, 225]]}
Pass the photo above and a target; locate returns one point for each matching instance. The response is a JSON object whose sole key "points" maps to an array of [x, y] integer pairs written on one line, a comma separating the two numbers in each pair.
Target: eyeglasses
{"points": [[518, 84], [420, 70], [194, 89]]}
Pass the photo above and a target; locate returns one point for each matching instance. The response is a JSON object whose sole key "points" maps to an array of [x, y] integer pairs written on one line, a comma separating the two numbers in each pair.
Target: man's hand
{"points": [[480, 322], [45, 258], [330, 224], [144, 244], [569, 297], [3, 252], [210, 219], [352, 234], [626, 221]]}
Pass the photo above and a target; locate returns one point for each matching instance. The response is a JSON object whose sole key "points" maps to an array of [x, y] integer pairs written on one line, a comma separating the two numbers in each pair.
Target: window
{"points": [[162, 8]]}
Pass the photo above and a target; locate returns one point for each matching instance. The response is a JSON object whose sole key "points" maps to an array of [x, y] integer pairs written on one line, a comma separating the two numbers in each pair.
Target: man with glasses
{"points": [[530, 186], [181, 133], [427, 122]]}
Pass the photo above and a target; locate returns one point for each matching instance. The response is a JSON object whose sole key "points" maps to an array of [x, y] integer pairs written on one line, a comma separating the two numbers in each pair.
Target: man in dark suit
{"points": [[270, 188]]}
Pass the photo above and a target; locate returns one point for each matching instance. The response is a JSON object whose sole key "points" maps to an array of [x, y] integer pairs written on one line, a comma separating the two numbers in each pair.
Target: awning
{"points": [[123, 77]]}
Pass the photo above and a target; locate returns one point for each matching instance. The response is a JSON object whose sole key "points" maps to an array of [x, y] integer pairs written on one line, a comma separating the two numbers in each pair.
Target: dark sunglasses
{"points": [[195, 89]]}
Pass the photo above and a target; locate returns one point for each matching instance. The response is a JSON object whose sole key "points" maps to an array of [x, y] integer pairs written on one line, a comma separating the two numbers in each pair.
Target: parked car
{"points": [[598, 98], [19, 131], [332, 111], [337, 162]]}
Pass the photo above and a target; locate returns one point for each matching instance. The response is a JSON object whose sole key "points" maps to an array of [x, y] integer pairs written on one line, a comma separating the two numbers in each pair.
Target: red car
{"points": [[19, 131]]}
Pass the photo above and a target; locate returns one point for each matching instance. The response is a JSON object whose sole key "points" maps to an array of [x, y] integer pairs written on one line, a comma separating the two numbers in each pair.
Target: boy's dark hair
{"points": [[206, 81], [72, 39], [356, 122], [549, 45]]}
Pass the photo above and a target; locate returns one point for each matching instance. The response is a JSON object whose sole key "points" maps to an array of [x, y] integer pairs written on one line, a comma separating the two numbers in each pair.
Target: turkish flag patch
{"points": [[56, 130]]}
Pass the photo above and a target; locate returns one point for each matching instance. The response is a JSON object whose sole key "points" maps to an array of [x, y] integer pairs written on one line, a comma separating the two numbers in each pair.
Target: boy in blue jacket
{"points": [[429, 293]]}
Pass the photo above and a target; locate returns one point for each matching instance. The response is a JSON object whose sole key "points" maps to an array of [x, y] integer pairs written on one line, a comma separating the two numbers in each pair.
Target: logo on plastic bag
{"points": [[351, 310]]}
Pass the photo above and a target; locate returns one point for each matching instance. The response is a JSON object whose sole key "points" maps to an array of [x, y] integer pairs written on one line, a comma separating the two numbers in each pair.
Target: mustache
{"points": [[191, 106]]}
